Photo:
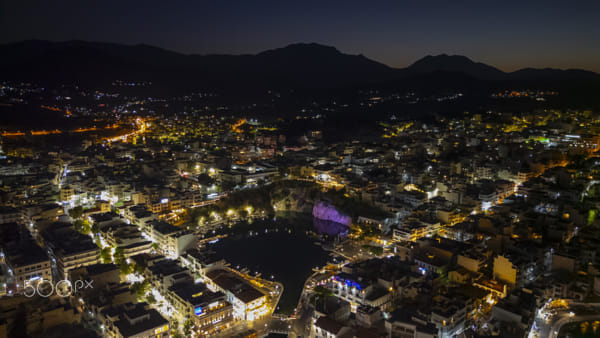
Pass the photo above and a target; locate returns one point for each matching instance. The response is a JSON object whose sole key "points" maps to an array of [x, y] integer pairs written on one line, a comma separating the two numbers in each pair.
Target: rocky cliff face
{"points": [[327, 212], [296, 200], [329, 227]]}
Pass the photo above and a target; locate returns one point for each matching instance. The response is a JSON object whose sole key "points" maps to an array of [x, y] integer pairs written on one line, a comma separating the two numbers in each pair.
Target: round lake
{"points": [[287, 256]]}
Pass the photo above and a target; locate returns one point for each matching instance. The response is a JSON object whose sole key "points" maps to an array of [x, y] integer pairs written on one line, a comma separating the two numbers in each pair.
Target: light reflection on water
{"points": [[287, 256]]}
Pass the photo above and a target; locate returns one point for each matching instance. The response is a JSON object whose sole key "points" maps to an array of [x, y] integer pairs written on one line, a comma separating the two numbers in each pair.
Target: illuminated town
{"points": [[483, 223], [314, 169]]}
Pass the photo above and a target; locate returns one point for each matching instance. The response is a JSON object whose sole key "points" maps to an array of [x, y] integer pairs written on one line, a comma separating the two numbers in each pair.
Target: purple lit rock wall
{"points": [[335, 219], [329, 227], [325, 211]]}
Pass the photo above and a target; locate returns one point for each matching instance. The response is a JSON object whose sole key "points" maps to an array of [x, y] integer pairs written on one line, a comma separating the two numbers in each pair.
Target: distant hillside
{"points": [[297, 66], [458, 64]]}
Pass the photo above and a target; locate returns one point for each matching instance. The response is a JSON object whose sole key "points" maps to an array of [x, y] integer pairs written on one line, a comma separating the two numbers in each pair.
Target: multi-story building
{"points": [[248, 302], [69, 248], [504, 270], [403, 324], [472, 259], [163, 273], [413, 198], [172, 241], [449, 317], [367, 315], [139, 215], [66, 192], [412, 230], [11, 215], [358, 292], [325, 327], [429, 263], [133, 320], [126, 237], [449, 216], [200, 262], [210, 311], [28, 264]]}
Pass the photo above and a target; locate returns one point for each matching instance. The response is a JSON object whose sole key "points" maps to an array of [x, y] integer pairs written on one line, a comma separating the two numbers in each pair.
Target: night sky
{"points": [[507, 34]]}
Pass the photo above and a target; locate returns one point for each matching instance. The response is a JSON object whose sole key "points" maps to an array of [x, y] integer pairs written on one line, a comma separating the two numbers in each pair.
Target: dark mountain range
{"points": [[297, 66], [457, 64]]}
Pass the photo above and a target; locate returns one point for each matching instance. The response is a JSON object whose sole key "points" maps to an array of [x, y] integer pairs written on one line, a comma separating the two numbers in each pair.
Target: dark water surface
{"points": [[288, 257]]}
